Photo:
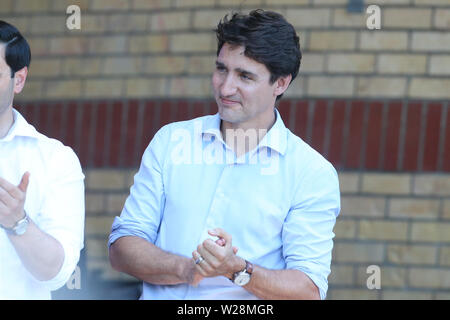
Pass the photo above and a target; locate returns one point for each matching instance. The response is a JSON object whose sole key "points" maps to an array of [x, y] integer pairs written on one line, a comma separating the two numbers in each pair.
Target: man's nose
{"points": [[228, 87]]}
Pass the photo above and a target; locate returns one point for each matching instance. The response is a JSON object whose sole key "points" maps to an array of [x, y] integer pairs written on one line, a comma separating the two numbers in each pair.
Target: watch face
{"points": [[242, 279], [21, 227]]}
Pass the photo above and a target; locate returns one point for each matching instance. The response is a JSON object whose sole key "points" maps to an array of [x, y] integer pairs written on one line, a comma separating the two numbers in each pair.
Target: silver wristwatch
{"points": [[241, 278], [19, 228]]}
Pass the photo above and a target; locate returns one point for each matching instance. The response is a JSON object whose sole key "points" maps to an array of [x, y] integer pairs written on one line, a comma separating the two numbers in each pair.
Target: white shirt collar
{"points": [[20, 127], [276, 137]]}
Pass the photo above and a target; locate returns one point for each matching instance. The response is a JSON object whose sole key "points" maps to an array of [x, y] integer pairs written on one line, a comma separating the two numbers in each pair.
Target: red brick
{"points": [[373, 138], [198, 109], [19, 108], [41, 122], [149, 127], [100, 132], [412, 136], [116, 131], [211, 108], [165, 113], [446, 160], [130, 158], [181, 110], [56, 117], [319, 126], [431, 149], [31, 113], [301, 119], [71, 110], [392, 136], [336, 133], [284, 107], [85, 133], [354, 139]]}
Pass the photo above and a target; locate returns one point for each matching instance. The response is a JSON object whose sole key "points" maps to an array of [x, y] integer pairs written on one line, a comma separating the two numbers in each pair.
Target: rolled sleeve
{"points": [[63, 212], [307, 233], [142, 212]]}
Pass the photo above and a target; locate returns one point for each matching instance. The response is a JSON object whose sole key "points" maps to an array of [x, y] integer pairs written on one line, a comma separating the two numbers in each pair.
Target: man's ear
{"points": [[19, 79], [282, 84]]}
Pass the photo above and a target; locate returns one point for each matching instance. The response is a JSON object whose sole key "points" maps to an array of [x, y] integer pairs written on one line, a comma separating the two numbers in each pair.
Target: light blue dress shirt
{"points": [[279, 202]]}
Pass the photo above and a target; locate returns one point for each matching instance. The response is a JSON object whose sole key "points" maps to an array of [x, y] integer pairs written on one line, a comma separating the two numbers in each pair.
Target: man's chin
{"points": [[234, 119]]}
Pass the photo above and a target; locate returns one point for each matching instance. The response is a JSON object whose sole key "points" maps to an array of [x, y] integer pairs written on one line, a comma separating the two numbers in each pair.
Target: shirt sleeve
{"points": [[143, 209], [307, 233], [63, 211]]}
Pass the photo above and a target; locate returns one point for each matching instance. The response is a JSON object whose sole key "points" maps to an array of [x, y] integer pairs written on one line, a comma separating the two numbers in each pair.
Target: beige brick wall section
{"points": [[354, 63], [398, 222], [402, 63], [412, 254], [407, 18], [386, 183], [412, 42]]}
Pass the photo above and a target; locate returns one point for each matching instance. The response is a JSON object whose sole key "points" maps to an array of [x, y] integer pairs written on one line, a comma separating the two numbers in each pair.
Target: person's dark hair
{"points": [[267, 37], [17, 50]]}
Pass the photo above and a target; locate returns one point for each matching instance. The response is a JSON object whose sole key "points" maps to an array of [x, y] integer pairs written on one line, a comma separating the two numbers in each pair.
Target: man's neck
{"points": [[6, 121]]}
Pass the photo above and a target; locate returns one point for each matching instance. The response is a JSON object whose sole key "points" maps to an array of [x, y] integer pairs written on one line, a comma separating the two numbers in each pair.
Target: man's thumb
{"points": [[23, 186]]}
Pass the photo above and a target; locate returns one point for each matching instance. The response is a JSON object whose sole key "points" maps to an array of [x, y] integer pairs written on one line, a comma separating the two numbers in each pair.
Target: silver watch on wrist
{"points": [[19, 228], [241, 278]]}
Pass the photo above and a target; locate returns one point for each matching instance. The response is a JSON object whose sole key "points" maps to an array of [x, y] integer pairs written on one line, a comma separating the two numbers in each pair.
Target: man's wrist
{"points": [[239, 264], [185, 270], [22, 216]]}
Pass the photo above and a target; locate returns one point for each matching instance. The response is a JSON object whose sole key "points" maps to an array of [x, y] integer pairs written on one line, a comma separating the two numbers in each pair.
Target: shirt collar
{"points": [[20, 128], [276, 137]]}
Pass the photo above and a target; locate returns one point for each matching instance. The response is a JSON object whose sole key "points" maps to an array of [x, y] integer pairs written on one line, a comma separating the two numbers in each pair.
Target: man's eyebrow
{"points": [[239, 70], [220, 64], [247, 73]]}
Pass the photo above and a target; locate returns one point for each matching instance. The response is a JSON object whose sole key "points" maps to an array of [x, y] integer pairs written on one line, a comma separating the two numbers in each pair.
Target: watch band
{"points": [[248, 267], [247, 270], [19, 228]]}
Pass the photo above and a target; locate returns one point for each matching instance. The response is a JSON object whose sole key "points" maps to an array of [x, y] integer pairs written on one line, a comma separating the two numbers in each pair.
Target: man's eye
{"points": [[245, 77], [221, 69]]}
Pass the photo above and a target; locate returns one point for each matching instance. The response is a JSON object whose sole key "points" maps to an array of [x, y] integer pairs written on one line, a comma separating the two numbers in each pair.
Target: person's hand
{"points": [[195, 276], [12, 201], [219, 257]]}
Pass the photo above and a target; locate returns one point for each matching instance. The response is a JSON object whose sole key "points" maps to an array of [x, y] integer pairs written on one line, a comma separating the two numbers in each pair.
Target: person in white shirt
{"points": [[236, 180], [41, 191]]}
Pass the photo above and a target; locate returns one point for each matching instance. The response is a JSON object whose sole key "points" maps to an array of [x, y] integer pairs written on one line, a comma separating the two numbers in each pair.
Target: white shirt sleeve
{"points": [[63, 211], [308, 229], [144, 207]]}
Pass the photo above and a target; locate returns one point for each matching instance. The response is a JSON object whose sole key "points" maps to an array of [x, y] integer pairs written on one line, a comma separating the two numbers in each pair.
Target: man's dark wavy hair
{"points": [[17, 50], [267, 37]]}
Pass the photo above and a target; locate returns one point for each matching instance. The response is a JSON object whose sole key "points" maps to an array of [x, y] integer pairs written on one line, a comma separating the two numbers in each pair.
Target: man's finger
{"points": [[7, 186], [210, 256], [218, 232], [3, 207], [15, 191], [23, 185], [221, 242], [202, 267], [6, 198]]}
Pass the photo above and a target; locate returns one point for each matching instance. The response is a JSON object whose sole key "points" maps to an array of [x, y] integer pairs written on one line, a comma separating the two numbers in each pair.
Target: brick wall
{"points": [[373, 102], [155, 48], [399, 222]]}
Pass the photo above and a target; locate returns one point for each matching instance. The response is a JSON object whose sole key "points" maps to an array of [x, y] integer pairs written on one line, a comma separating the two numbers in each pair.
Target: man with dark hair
{"points": [[41, 191], [233, 205]]}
